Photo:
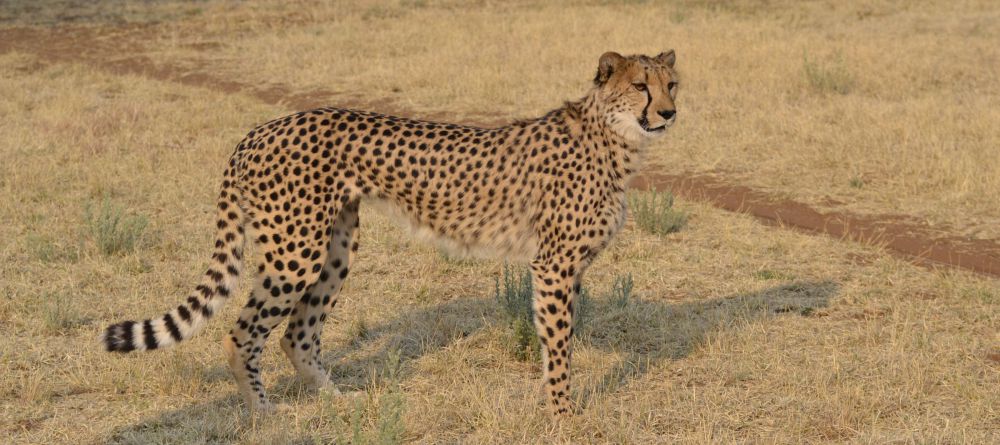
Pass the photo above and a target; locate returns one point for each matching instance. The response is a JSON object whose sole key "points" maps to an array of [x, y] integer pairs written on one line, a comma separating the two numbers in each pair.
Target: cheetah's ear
{"points": [[668, 58], [609, 63]]}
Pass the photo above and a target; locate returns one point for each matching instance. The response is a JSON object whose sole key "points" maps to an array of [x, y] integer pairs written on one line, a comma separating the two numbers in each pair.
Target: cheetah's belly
{"points": [[500, 238]]}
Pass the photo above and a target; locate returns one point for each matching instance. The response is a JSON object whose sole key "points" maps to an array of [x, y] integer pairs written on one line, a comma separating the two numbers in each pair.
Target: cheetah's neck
{"points": [[586, 119]]}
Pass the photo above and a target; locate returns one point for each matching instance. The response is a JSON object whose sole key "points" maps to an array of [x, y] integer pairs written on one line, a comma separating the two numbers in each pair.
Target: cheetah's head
{"points": [[638, 93]]}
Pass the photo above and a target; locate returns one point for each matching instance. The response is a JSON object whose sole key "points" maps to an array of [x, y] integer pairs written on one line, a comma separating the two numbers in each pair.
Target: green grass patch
{"points": [[58, 315], [654, 212], [856, 182], [374, 417], [828, 77], [113, 230]]}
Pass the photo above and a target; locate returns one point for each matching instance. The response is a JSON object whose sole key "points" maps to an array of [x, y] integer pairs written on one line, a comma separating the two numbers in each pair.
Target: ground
{"points": [[738, 330]]}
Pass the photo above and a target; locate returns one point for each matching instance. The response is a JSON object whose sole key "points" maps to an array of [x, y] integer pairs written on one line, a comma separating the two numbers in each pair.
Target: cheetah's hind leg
{"points": [[292, 262], [301, 341]]}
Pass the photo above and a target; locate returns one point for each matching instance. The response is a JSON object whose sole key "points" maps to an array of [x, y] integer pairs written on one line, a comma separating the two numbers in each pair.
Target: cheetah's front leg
{"points": [[555, 286]]}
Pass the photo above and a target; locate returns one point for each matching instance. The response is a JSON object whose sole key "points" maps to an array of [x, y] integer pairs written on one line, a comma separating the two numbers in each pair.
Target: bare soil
{"points": [[118, 50], [898, 233]]}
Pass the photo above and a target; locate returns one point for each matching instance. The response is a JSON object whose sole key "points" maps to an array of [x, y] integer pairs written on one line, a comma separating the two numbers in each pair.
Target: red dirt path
{"points": [[893, 232], [116, 50]]}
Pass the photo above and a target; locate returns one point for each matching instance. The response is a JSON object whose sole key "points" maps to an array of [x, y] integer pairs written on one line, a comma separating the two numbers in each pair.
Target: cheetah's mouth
{"points": [[645, 127], [644, 124]]}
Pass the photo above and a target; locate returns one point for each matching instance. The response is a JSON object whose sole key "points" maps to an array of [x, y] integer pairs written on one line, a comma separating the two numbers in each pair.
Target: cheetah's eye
{"points": [[671, 86], [639, 86]]}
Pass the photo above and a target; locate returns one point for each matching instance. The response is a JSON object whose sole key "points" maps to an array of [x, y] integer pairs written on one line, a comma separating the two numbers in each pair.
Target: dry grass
{"points": [[733, 331], [104, 12], [805, 99]]}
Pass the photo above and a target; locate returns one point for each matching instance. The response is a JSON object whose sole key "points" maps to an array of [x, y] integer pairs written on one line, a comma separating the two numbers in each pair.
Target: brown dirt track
{"points": [[114, 49]]}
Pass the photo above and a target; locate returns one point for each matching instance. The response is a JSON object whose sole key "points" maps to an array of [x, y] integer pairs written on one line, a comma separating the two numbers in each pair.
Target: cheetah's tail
{"points": [[208, 297]]}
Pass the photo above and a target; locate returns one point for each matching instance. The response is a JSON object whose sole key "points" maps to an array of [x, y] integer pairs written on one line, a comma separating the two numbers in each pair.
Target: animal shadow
{"points": [[646, 333]]}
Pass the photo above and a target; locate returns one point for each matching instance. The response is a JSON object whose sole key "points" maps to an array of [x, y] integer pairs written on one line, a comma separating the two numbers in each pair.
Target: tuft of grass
{"points": [[831, 77], [379, 12], [767, 274], [41, 248], [359, 330], [654, 212], [857, 182], [58, 315], [47, 250], [621, 291], [515, 301], [982, 295], [677, 17], [113, 230]]}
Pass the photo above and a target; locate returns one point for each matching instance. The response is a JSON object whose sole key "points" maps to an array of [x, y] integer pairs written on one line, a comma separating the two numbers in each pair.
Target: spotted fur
{"points": [[548, 190]]}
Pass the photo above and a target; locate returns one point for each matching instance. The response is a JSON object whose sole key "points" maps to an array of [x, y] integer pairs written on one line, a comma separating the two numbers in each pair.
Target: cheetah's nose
{"points": [[667, 114]]}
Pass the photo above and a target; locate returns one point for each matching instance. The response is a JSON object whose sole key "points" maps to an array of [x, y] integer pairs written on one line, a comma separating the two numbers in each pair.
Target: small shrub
{"points": [[832, 77], [524, 344], [114, 231], [515, 300], [389, 426], [356, 414], [385, 416], [654, 213]]}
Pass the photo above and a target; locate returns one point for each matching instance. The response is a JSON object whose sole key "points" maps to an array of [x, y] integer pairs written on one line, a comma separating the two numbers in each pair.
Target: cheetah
{"points": [[549, 191]]}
